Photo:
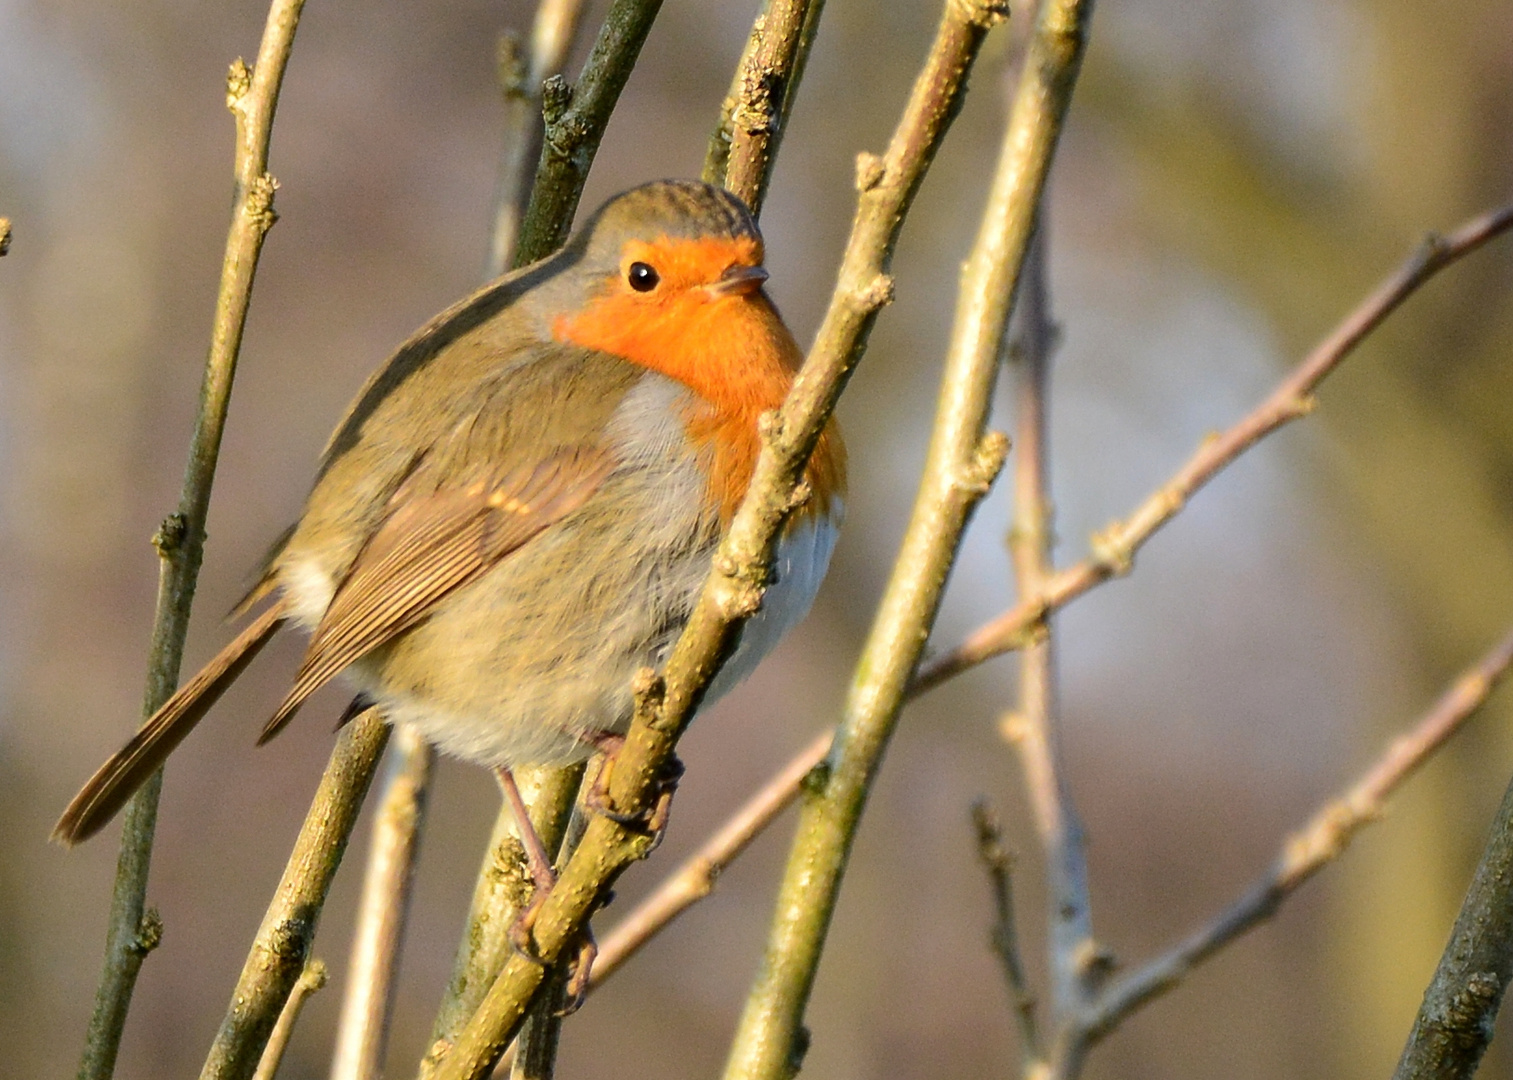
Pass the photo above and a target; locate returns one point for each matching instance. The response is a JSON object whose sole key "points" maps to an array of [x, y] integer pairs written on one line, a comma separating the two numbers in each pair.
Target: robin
{"points": [[519, 509]]}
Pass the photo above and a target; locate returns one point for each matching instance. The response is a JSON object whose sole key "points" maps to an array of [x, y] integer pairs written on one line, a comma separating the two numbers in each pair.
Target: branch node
{"points": [[870, 170], [556, 97], [876, 293], [987, 461], [982, 13], [170, 535], [259, 203], [149, 933], [5, 235], [238, 82], [1112, 551]]}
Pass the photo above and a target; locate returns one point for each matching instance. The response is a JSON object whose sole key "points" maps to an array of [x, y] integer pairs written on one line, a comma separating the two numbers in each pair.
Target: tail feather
{"points": [[118, 779]]}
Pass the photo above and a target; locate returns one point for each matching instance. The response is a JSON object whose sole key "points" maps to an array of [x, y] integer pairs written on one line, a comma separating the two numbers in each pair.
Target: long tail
{"points": [[118, 779]]}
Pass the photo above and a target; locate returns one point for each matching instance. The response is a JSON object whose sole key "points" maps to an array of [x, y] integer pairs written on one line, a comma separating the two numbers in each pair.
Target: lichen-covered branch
{"points": [[1455, 1022], [252, 97], [1114, 548], [282, 945], [753, 115], [575, 121], [363, 1030], [1321, 840]]}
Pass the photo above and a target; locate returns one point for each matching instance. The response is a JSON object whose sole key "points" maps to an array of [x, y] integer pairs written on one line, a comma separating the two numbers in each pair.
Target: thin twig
{"points": [[1114, 548], [1455, 1021], [252, 97], [999, 865], [363, 1030], [1034, 728], [553, 32], [283, 940], [734, 587], [961, 462], [696, 878], [313, 978], [1321, 840], [745, 142], [575, 121]]}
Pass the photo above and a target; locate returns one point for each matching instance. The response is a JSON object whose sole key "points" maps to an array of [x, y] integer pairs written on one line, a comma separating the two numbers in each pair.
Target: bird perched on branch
{"points": [[520, 507]]}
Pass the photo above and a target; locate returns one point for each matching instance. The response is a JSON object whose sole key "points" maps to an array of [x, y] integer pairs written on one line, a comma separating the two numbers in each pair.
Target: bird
{"points": [[517, 512]]}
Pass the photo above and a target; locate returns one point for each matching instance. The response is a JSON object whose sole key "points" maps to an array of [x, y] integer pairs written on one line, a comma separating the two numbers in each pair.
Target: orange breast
{"points": [[732, 351]]}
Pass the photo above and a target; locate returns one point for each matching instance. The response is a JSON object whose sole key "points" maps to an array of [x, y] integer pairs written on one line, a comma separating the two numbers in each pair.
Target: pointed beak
{"points": [[738, 281]]}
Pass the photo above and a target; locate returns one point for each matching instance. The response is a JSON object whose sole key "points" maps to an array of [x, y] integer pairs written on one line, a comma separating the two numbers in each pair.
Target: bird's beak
{"points": [[738, 281]]}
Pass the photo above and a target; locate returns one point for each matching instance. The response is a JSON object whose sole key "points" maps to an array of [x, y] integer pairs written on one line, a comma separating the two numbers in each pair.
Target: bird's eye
{"points": [[642, 277]]}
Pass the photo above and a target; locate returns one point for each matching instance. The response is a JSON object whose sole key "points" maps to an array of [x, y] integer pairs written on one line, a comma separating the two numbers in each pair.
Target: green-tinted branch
{"points": [[745, 142], [253, 98], [575, 122], [960, 464], [283, 940]]}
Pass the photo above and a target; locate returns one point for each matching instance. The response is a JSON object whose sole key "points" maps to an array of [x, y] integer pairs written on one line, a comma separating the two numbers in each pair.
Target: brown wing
{"points": [[430, 545]]}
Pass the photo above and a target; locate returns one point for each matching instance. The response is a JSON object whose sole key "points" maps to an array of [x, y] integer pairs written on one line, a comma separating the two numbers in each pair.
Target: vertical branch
{"points": [[999, 866], [252, 97], [575, 121], [363, 1030], [1034, 727], [504, 888], [755, 111], [520, 79], [960, 464], [283, 940]]}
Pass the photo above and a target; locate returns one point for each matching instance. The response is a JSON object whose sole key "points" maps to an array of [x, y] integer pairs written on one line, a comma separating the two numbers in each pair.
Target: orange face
{"points": [[693, 310]]}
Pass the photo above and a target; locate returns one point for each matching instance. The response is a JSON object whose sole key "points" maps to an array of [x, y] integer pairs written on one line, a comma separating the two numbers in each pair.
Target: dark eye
{"points": [[642, 277]]}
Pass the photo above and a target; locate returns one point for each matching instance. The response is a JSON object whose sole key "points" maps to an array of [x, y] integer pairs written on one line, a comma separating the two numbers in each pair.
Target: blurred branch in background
{"points": [[252, 97], [1323, 839], [553, 32]]}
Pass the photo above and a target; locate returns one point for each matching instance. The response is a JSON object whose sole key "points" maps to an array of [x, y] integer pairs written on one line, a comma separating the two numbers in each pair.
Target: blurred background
{"points": [[1235, 176]]}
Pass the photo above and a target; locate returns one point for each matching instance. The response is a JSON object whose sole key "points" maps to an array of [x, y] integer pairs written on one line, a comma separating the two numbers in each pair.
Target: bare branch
{"points": [[575, 121], [755, 111], [553, 32], [252, 97], [283, 941], [313, 978], [1320, 841], [960, 465], [363, 1030], [1114, 548], [1455, 1022], [999, 865]]}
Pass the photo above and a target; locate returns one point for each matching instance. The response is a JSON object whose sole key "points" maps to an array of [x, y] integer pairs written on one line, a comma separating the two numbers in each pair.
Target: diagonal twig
{"points": [[252, 97], [1321, 840], [1115, 547]]}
